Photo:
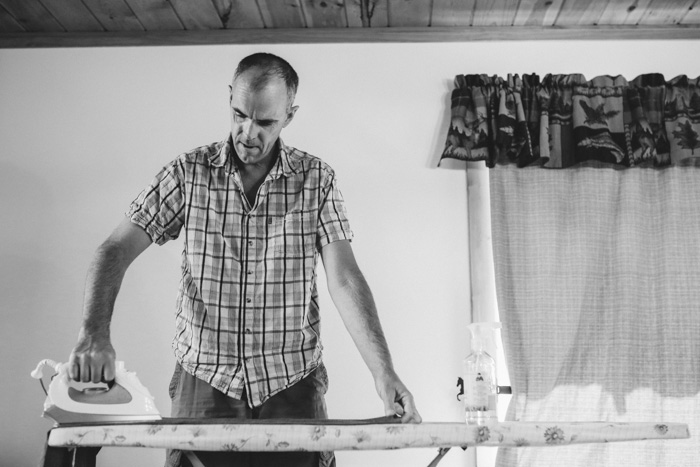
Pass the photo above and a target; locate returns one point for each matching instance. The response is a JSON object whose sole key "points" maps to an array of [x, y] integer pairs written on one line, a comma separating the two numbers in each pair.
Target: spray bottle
{"points": [[479, 386]]}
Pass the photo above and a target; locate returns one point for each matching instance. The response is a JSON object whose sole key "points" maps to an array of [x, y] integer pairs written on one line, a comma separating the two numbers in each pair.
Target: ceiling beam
{"points": [[344, 35]]}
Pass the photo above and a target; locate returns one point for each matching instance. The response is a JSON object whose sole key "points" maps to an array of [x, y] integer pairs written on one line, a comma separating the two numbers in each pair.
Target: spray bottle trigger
{"points": [[460, 385]]}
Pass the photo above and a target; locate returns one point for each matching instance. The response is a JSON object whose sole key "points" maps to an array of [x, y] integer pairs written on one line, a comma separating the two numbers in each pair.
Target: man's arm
{"points": [[354, 301], [93, 357]]}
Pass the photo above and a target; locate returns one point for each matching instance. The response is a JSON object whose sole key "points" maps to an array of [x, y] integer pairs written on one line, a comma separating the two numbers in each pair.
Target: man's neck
{"points": [[260, 168]]}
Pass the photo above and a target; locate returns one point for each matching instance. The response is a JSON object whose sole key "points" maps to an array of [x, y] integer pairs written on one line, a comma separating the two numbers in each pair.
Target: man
{"points": [[256, 214]]}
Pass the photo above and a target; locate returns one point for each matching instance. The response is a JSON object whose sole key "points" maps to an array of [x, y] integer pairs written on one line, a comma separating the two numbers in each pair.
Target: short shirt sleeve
{"points": [[333, 220], [159, 208]]}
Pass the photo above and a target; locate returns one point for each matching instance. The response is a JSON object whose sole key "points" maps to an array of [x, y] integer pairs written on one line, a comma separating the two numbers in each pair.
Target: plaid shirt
{"points": [[247, 311]]}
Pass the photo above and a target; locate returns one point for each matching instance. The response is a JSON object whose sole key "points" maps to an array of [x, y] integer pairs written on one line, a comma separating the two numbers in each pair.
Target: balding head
{"points": [[261, 68]]}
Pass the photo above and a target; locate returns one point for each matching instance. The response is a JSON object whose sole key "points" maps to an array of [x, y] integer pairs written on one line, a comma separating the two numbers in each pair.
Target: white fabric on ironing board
{"points": [[330, 436]]}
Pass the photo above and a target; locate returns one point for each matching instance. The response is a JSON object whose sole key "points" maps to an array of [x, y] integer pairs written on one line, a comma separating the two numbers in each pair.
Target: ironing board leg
{"points": [[56, 457], [67, 457], [85, 457]]}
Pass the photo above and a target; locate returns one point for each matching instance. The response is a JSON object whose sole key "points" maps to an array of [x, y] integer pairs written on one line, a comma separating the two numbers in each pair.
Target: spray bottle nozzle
{"points": [[482, 333]]}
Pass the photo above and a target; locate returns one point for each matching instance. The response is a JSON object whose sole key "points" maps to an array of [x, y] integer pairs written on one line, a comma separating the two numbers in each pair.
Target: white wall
{"points": [[83, 130]]}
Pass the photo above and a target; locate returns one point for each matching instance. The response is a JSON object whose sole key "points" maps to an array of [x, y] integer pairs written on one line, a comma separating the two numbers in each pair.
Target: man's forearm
{"points": [[103, 282], [92, 358], [354, 301]]}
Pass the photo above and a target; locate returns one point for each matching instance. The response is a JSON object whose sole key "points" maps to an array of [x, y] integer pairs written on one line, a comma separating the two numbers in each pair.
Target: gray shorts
{"points": [[194, 398]]}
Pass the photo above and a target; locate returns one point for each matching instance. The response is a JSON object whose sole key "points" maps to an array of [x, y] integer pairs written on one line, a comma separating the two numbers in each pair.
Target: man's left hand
{"points": [[397, 399]]}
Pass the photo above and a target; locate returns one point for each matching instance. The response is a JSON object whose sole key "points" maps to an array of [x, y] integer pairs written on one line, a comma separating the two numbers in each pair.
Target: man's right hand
{"points": [[92, 360]]}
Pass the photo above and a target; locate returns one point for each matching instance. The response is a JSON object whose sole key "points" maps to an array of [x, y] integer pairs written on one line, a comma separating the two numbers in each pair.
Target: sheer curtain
{"points": [[597, 274], [597, 263]]}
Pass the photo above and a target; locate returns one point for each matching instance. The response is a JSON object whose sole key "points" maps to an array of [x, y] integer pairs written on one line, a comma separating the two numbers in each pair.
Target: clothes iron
{"points": [[68, 401]]}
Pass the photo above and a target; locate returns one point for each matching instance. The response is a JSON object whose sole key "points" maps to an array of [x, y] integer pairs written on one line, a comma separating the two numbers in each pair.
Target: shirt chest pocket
{"points": [[292, 234]]}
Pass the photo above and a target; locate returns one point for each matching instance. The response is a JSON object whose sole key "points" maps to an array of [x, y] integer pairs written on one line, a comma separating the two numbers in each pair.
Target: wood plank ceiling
{"points": [[47, 23]]}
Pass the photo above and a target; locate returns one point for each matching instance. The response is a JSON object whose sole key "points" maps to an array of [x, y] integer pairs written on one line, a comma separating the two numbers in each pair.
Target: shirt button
{"points": [[250, 242], [250, 272], [247, 331], [248, 300]]}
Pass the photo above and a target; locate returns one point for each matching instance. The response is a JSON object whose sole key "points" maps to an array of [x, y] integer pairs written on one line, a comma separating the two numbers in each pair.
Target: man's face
{"points": [[257, 117]]}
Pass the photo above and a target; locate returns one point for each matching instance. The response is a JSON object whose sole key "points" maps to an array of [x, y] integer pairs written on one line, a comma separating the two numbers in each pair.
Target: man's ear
{"points": [[290, 115]]}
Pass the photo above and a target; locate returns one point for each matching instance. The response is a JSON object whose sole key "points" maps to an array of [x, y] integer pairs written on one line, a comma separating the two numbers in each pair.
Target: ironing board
{"points": [[77, 445]]}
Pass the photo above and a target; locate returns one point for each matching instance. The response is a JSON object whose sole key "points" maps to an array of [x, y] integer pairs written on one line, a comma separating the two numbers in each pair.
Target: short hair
{"points": [[270, 66]]}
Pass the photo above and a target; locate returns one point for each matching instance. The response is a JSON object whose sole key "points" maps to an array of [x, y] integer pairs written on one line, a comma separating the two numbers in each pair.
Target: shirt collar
{"points": [[285, 165]]}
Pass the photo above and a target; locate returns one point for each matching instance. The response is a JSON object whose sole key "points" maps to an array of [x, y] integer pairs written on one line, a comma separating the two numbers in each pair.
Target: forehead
{"points": [[251, 93]]}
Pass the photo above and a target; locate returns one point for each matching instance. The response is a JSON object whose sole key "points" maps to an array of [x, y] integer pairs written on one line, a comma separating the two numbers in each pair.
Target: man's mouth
{"points": [[247, 145]]}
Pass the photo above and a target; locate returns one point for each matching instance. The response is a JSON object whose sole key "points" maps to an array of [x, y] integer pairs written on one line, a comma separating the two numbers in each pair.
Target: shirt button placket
{"points": [[251, 258], [250, 290]]}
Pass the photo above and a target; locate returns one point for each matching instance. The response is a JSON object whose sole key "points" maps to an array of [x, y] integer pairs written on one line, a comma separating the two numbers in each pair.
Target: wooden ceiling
{"points": [[85, 23]]}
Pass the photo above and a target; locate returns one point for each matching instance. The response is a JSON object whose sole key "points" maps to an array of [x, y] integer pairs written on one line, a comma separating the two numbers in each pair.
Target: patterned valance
{"points": [[562, 120]]}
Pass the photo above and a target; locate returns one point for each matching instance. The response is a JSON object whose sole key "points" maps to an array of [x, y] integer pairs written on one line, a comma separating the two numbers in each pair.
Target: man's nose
{"points": [[250, 129]]}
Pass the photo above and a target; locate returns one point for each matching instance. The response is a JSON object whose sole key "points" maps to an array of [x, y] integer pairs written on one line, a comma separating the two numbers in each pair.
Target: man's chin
{"points": [[247, 153]]}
